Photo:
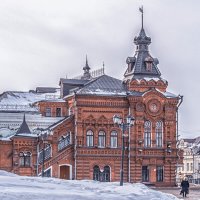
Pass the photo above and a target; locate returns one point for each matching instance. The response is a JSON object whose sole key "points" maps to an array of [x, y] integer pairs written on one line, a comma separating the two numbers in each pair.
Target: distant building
{"points": [[71, 134], [191, 160]]}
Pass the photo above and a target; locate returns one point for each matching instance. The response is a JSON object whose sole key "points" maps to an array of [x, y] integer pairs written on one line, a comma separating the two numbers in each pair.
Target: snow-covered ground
{"points": [[13, 187]]}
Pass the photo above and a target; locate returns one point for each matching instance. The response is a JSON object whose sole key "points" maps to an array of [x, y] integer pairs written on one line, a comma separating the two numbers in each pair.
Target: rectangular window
{"points": [[188, 167], [159, 130], [147, 139], [90, 140], [25, 159], [48, 112], [191, 166], [159, 173], [102, 139], [145, 174], [159, 139], [113, 139], [22, 161], [58, 112]]}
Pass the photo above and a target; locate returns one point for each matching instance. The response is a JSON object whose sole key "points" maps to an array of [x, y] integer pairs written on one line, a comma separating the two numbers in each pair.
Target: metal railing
{"points": [[45, 154]]}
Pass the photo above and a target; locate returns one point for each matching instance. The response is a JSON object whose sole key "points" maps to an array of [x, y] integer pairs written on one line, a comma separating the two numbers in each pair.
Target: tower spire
{"points": [[142, 11], [86, 64], [86, 70]]}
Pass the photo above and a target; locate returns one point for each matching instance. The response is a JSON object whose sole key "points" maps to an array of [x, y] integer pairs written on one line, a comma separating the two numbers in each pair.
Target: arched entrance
{"points": [[65, 172], [103, 176]]}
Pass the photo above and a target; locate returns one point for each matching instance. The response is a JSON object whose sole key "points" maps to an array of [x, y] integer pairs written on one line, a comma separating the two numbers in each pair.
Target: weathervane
{"points": [[141, 10]]}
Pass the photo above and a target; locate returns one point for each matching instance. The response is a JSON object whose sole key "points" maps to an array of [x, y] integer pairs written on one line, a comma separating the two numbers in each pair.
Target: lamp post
{"points": [[44, 136], [129, 122]]}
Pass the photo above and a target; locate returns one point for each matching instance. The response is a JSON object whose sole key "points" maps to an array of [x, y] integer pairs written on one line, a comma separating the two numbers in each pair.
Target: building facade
{"points": [[84, 143], [191, 160]]}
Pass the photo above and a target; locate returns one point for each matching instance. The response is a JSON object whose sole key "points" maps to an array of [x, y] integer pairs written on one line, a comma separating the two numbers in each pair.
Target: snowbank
{"points": [[15, 187]]}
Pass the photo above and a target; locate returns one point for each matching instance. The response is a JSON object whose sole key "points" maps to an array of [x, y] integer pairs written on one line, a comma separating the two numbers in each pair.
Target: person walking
{"points": [[185, 187]]}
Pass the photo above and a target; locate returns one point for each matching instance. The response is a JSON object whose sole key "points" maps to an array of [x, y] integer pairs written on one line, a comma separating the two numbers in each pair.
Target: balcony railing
{"points": [[64, 141], [47, 152]]}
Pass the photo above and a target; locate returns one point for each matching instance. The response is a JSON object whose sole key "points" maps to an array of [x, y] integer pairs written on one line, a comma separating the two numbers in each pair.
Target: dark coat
{"points": [[185, 185]]}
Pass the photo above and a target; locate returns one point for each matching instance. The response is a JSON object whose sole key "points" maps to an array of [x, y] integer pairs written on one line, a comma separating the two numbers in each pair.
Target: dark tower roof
{"points": [[142, 64], [86, 69], [23, 128]]}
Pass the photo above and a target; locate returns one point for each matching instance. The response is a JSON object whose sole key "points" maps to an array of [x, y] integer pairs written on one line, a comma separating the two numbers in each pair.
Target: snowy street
{"points": [[193, 195], [15, 187]]}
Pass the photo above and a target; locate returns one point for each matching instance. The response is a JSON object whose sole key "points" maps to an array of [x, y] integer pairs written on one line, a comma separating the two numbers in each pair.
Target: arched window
{"points": [[159, 134], [90, 138], [106, 174], [25, 159], [102, 139], [113, 139], [96, 173], [147, 134]]}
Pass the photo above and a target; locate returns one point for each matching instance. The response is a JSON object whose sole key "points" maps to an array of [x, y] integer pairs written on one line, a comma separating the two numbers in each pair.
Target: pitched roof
{"points": [[104, 85], [46, 89], [23, 128], [73, 81]]}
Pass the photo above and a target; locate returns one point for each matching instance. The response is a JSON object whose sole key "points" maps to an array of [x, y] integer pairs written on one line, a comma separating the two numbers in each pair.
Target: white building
{"points": [[191, 160]]}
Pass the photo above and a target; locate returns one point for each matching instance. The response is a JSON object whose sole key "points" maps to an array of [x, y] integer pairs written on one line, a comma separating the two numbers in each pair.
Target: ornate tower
{"points": [[142, 72]]}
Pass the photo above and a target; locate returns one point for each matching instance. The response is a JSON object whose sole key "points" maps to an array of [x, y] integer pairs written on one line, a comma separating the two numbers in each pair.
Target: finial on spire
{"points": [[86, 60], [142, 11], [103, 67]]}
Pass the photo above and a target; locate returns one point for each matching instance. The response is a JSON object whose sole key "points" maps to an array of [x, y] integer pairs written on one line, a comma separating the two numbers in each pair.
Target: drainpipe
{"points": [[177, 132], [37, 161], [75, 139], [180, 102], [129, 149]]}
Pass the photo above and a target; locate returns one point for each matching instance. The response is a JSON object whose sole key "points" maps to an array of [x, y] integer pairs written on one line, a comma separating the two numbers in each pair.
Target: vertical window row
{"points": [[159, 134], [147, 134]]}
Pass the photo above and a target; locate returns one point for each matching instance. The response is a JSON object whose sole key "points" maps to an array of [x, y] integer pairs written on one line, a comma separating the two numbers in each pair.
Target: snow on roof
{"points": [[14, 120], [27, 135], [37, 188], [151, 78], [23, 101], [103, 85]]}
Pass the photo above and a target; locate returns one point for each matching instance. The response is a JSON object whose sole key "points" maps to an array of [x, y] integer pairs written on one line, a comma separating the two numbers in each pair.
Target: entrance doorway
{"points": [[145, 174], [65, 172]]}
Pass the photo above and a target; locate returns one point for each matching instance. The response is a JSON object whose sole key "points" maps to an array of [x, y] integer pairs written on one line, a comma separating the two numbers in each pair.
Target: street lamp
{"points": [[43, 137], [129, 122]]}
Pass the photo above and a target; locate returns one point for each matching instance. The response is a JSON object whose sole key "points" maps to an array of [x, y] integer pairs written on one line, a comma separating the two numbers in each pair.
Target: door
{"points": [[145, 174], [65, 172]]}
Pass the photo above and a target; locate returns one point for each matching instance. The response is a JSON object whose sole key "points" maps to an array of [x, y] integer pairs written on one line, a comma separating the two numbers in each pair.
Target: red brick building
{"points": [[86, 144]]}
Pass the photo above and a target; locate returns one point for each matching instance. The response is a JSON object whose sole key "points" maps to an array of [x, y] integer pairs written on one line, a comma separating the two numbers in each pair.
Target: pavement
{"points": [[194, 192]]}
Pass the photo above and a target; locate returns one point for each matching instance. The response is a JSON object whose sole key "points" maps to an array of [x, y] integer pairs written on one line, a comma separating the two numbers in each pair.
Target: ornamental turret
{"points": [[142, 66], [86, 69]]}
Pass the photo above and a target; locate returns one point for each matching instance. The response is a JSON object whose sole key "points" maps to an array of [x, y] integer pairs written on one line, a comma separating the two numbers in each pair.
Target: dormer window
{"points": [[131, 62], [148, 62]]}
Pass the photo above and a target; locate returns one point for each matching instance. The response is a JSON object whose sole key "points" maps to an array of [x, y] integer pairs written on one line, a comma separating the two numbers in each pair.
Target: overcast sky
{"points": [[44, 40]]}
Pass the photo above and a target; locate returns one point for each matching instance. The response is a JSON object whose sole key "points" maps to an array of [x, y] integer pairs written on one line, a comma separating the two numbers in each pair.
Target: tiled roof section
{"points": [[46, 89], [104, 85], [189, 140], [23, 128], [73, 81]]}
